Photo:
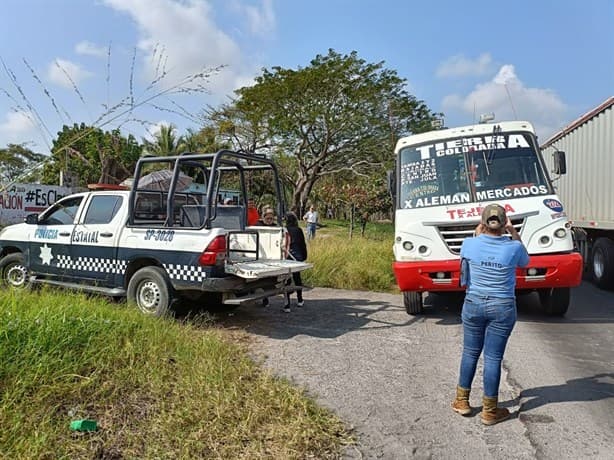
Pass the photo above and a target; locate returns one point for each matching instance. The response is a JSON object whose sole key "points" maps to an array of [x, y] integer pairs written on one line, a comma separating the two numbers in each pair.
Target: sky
{"points": [[82, 61]]}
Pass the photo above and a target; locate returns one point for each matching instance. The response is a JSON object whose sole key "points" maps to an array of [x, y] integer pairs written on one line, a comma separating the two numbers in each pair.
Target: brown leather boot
{"points": [[492, 414], [461, 402]]}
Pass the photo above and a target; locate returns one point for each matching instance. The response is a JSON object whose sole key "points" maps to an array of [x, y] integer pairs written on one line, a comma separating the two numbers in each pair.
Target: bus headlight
{"points": [[560, 233], [544, 240], [423, 249], [408, 245]]}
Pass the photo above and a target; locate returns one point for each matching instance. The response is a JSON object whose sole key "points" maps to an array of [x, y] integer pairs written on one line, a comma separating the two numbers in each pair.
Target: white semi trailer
{"points": [[587, 189]]}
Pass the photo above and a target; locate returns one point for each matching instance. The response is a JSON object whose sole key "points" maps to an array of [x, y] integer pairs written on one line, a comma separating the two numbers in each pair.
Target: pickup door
{"points": [[93, 246], [49, 244]]}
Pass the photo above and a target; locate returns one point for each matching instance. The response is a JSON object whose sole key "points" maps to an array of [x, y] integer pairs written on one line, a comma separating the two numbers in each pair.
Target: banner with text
{"points": [[22, 199]]}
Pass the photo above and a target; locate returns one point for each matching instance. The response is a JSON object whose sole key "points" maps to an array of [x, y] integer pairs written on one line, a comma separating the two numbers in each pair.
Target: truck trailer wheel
{"points": [[13, 271], [602, 263], [149, 289], [554, 301], [413, 302]]}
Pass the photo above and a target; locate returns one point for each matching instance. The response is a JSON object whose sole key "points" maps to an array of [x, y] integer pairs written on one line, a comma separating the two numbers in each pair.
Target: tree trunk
{"points": [[301, 193]]}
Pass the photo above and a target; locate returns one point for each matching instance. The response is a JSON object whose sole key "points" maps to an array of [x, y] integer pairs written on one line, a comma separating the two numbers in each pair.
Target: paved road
{"points": [[391, 376]]}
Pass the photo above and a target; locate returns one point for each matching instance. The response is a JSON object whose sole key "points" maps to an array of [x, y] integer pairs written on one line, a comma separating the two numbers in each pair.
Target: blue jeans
{"points": [[311, 230], [487, 324]]}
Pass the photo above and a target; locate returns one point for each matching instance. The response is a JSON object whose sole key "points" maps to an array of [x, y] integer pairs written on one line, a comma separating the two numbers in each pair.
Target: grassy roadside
{"points": [[157, 388], [163, 389], [361, 263]]}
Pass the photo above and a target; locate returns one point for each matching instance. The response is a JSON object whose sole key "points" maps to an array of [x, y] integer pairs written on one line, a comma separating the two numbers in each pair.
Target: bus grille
{"points": [[453, 235]]}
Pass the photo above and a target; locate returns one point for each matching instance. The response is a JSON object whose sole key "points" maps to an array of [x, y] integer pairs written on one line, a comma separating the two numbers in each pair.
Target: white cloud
{"points": [[18, 128], [58, 70], [91, 49], [460, 66], [184, 37], [16, 122], [261, 21], [508, 97]]}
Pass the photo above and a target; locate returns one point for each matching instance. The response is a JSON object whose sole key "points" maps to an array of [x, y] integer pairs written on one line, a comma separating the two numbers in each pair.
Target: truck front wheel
{"points": [[13, 271], [602, 263], [413, 303], [554, 301], [149, 289]]}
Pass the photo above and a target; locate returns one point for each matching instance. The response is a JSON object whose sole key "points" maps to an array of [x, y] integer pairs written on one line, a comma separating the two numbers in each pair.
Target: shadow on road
{"points": [[597, 387], [324, 318], [331, 313]]}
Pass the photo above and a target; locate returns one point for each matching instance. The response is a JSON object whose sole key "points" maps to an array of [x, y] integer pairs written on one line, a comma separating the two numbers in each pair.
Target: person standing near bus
{"points": [[311, 217], [488, 269], [296, 250]]}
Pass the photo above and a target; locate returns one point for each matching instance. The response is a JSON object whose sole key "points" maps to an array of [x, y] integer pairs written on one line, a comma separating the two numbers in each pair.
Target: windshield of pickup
{"points": [[469, 169]]}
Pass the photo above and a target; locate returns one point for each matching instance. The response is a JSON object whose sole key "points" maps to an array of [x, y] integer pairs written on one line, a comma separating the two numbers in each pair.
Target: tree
{"points": [[18, 163], [203, 141], [92, 155], [338, 114], [165, 142], [361, 198]]}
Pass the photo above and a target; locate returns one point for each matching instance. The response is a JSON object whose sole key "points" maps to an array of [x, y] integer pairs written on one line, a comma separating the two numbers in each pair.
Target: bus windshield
{"points": [[469, 169]]}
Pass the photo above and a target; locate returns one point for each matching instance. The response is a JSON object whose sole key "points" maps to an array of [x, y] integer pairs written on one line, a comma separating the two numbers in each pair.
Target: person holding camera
{"points": [[488, 270]]}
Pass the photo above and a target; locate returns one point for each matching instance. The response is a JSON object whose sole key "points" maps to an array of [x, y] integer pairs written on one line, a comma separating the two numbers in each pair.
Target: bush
{"points": [[362, 263]]}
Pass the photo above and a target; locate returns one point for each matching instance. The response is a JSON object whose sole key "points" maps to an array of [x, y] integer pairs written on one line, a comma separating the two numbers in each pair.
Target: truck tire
{"points": [[413, 302], [13, 271], [554, 301], [602, 263], [150, 290]]}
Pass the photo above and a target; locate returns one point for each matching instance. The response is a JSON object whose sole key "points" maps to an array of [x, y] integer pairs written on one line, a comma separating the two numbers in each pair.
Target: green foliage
{"points": [[157, 388], [338, 114], [165, 142], [17, 161], [203, 141], [92, 155], [357, 263]]}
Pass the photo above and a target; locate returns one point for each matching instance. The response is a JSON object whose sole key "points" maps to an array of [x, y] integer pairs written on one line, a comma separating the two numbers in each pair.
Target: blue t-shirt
{"points": [[491, 262]]}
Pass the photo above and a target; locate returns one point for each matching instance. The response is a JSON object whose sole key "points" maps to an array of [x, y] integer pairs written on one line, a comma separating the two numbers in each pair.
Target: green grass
{"points": [[362, 263], [157, 388], [163, 389]]}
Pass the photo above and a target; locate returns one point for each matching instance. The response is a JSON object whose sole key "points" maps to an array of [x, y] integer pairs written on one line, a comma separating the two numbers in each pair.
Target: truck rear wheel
{"points": [[413, 302], [150, 290], [13, 271], [602, 263], [554, 301]]}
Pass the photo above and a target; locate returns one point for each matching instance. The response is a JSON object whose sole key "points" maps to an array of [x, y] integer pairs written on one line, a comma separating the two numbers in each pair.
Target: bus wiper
{"points": [[491, 153]]}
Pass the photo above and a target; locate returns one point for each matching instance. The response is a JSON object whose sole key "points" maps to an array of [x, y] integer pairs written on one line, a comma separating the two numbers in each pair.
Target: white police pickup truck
{"points": [[167, 237]]}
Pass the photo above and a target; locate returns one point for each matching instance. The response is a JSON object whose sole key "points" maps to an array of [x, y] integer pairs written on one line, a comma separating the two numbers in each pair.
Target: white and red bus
{"points": [[445, 178]]}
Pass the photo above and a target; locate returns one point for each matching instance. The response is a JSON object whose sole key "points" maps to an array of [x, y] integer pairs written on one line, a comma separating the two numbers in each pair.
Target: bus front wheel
{"points": [[554, 301], [413, 303]]}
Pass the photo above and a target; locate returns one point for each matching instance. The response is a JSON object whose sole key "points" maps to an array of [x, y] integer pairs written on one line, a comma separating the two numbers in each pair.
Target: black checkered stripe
{"points": [[185, 272], [92, 264]]}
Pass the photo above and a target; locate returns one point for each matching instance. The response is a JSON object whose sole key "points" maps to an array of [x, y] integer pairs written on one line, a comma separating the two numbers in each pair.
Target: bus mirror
{"points": [[391, 182], [560, 165]]}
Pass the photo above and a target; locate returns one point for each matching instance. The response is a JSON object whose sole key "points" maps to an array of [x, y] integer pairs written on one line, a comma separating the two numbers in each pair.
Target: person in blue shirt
{"points": [[488, 270]]}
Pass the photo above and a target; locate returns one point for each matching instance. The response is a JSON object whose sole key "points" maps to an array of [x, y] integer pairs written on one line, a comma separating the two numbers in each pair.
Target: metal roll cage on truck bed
{"points": [[168, 237], [443, 181]]}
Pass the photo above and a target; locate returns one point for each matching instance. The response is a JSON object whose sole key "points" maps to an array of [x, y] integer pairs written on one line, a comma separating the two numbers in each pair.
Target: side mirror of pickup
{"points": [[560, 165], [32, 219]]}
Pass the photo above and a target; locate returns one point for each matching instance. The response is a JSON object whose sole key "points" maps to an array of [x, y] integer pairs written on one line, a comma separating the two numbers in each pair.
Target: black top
{"points": [[298, 248]]}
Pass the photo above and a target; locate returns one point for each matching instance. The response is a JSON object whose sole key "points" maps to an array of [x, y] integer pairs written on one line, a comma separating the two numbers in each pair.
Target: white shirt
{"points": [[311, 216]]}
